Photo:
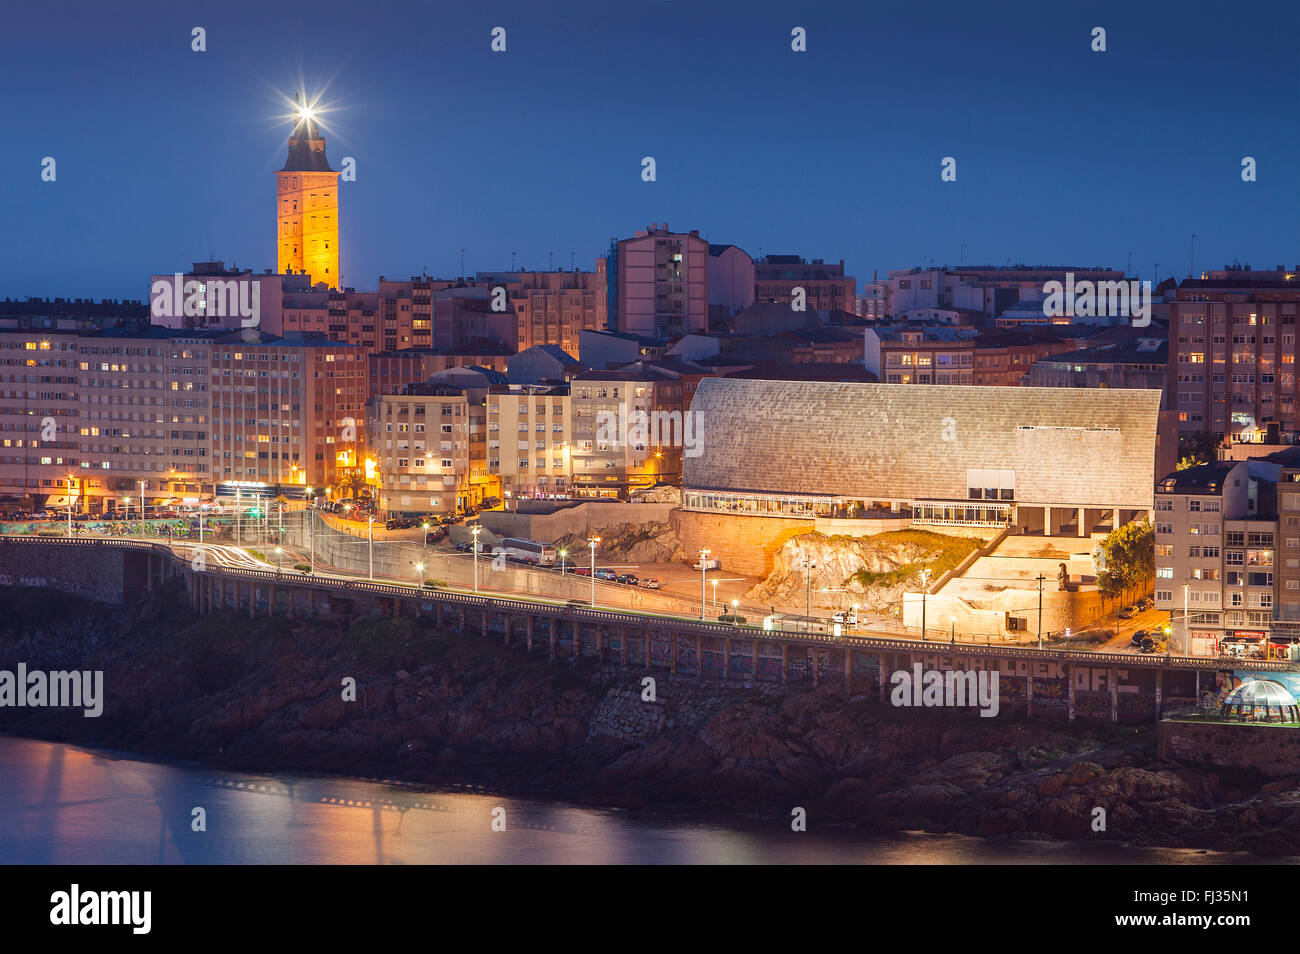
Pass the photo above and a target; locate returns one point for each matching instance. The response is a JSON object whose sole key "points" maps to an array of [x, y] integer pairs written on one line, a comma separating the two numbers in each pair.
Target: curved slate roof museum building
{"points": [[1063, 460]]}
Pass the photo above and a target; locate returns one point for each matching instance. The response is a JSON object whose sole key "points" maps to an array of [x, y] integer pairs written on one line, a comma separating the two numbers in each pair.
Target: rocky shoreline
{"points": [[439, 709]]}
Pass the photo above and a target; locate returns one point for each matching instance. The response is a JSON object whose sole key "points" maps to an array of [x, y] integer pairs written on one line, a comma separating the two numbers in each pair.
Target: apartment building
{"points": [[530, 440], [145, 422], [658, 283], [731, 283], [936, 353], [611, 457], [40, 410], [977, 294], [826, 287], [287, 411], [390, 371], [430, 450], [554, 307], [1215, 553], [175, 414], [1232, 368]]}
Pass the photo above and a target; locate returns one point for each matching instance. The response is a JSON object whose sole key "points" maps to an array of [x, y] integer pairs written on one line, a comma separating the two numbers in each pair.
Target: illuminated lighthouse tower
{"points": [[307, 213]]}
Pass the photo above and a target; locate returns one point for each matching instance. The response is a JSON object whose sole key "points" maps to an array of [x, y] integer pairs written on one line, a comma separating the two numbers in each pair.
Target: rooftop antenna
{"points": [[512, 260], [550, 260], [1191, 264], [462, 264]]}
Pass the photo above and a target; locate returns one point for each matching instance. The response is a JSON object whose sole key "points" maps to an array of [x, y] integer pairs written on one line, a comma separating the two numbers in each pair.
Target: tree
{"points": [[1129, 559], [1197, 449]]}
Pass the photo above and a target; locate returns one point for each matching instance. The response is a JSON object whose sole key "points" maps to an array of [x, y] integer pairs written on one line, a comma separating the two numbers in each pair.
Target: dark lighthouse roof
{"points": [[306, 146]]}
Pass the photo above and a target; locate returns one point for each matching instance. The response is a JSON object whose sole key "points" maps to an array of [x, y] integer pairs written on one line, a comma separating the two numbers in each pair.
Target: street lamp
{"points": [[593, 542], [704, 554], [142, 500], [311, 529], [370, 531], [808, 567], [278, 552], [476, 530], [1040, 611], [925, 588], [69, 506], [419, 571], [714, 581], [563, 554]]}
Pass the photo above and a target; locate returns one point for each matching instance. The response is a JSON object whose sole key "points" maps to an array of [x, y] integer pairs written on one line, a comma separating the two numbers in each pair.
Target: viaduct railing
{"points": [[677, 624]]}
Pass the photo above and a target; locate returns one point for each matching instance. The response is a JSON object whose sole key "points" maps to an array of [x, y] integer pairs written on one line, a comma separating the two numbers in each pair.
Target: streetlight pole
{"points": [[370, 532], [278, 552], [954, 631], [925, 588], [239, 514], [1040, 609], [808, 567], [704, 553], [477, 529], [563, 553], [1187, 633], [592, 543], [142, 514], [714, 581], [69, 508], [310, 514]]}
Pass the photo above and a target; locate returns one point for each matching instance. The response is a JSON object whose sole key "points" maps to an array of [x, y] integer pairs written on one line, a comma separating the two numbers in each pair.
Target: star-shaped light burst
{"points": [[308, 108]]}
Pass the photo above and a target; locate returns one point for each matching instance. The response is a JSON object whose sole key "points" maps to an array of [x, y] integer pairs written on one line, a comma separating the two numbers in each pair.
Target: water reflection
{"points": [[63, 805]]}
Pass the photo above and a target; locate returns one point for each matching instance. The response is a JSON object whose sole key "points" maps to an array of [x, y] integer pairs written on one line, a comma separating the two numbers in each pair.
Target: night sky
{"points": [[166, 156]]}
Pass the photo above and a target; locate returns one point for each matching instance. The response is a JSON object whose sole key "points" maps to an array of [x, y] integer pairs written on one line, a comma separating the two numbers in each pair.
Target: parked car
{"points": [[1128, 612], [607, 575], [650, 583], [463, 548], [709, 563], [1138, 636], [583, 571], [626, 578]]}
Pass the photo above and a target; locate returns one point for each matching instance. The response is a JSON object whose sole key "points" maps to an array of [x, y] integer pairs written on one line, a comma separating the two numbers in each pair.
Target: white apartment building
{"points": [[1215, 533], [530, 440]]}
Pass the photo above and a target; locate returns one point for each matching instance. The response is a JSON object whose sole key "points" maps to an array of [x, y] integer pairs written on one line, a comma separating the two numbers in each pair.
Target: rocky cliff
{"points": [[437, 708], [872, 571], [630, 543]]}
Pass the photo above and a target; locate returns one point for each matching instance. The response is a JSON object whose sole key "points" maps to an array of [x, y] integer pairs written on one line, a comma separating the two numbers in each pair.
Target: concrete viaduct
{"points": [[1067, 685]]}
